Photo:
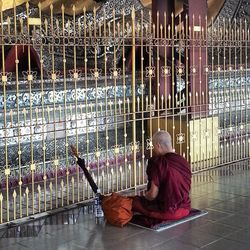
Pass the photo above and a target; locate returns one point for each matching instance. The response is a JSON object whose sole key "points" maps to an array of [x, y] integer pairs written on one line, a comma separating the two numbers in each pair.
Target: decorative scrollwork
{"points": [[165, 71], [149, 144], [96, 73], [5, 77], [29, 75], [180, 70], [180, 138], [115, 73], [135, 146], [150, 72]]}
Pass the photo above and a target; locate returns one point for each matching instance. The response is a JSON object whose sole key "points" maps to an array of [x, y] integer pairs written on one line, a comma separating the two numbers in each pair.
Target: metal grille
{"points": [[106, 81]]}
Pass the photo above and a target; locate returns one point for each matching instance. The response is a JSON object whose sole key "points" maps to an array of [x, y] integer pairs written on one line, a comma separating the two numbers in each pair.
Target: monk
{"points": [[169, 183]]}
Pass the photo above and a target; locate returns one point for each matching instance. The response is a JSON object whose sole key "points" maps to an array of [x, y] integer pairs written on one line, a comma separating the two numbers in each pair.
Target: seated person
{"points": [[169, 183]]}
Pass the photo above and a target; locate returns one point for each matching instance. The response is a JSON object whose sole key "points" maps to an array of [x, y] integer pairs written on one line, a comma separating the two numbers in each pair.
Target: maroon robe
{"points": [[172, 175]]}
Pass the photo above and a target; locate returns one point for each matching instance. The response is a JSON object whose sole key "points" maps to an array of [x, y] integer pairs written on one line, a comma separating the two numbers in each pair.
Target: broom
{"points": [[81, 163]]}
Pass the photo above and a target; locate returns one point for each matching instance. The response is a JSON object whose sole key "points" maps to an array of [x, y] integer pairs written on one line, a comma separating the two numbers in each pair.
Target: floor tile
{"points": [[215, 215], [225, 196], [242, 235], [174, 245], [198, 238], [226, 244], [237, 220], [22, 231]]}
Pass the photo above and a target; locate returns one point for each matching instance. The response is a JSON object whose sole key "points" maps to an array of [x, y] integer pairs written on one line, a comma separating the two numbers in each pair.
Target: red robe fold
{"points": [[172, 174]]}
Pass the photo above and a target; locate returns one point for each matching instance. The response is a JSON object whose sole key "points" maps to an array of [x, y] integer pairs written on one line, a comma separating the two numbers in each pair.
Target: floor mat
{"points": [[156, 225]]}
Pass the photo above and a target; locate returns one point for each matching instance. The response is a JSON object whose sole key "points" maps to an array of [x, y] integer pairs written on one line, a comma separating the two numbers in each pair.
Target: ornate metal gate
{"points": [[106, 81]]}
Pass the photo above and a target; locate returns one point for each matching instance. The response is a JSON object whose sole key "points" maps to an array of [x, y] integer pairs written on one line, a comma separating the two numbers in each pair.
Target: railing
{"points": [[105, 82]]}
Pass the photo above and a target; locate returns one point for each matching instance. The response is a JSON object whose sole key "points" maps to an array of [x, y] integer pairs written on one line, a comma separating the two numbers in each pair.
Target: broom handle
{"points": [[92, 183]]}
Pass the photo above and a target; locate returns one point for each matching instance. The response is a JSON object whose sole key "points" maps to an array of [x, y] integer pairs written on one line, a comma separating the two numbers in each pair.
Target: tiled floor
{"points": [[224, 193]]}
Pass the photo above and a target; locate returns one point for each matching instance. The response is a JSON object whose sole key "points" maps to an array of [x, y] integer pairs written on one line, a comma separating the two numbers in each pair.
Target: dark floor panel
{"points": [[68, 218], [22, 231]]}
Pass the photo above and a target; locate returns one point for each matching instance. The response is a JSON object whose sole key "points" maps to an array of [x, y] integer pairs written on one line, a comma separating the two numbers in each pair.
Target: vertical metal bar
{"points": [[96, 98], [75, 77], [166, 73], [193, 94], [27, 201], [246, 95], [230, 87], [53, 78], [205, 41], [106, 99], [157, 70], [124, 99], [39, 198], [18, 114], [86, 90], [235, 85], [200, 99], [219, 90], [142, 96], [133, 95], [241, 100], [213, 93], [115, 103], [173, 37], [227, 148], [43, 110], [178, 102], [4, 81], [65, 106], [150, 77], [187, 60], [30, 80]]}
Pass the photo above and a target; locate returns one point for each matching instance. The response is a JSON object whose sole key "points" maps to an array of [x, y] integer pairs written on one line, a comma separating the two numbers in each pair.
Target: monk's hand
{"points": [[74, 151]]}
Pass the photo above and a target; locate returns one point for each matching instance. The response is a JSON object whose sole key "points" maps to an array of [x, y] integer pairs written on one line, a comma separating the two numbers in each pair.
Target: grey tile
{"points": [[16, 247], [125, 238], [237, 220], [242, 235], [21, 231], [70, 246], [68, 218], [198, 238], [226, 244], [216, 228], [245, 211], [226, 207], [2, 232], [235, 190], [141, 244], [54, 238], [50, 229], [45, 244], [234, 204], [219, 195], [174, 245], [6, 242], [242, 200], [203, 202], [222, 228], [215, 215]]}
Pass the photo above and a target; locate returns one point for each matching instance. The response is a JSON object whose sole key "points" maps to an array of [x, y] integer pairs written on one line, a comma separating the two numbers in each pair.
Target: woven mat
{"points": [[158, 226]]}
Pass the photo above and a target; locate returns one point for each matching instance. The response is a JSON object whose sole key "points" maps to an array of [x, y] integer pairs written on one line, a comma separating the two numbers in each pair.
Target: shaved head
{"points": [[162, 138]]}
